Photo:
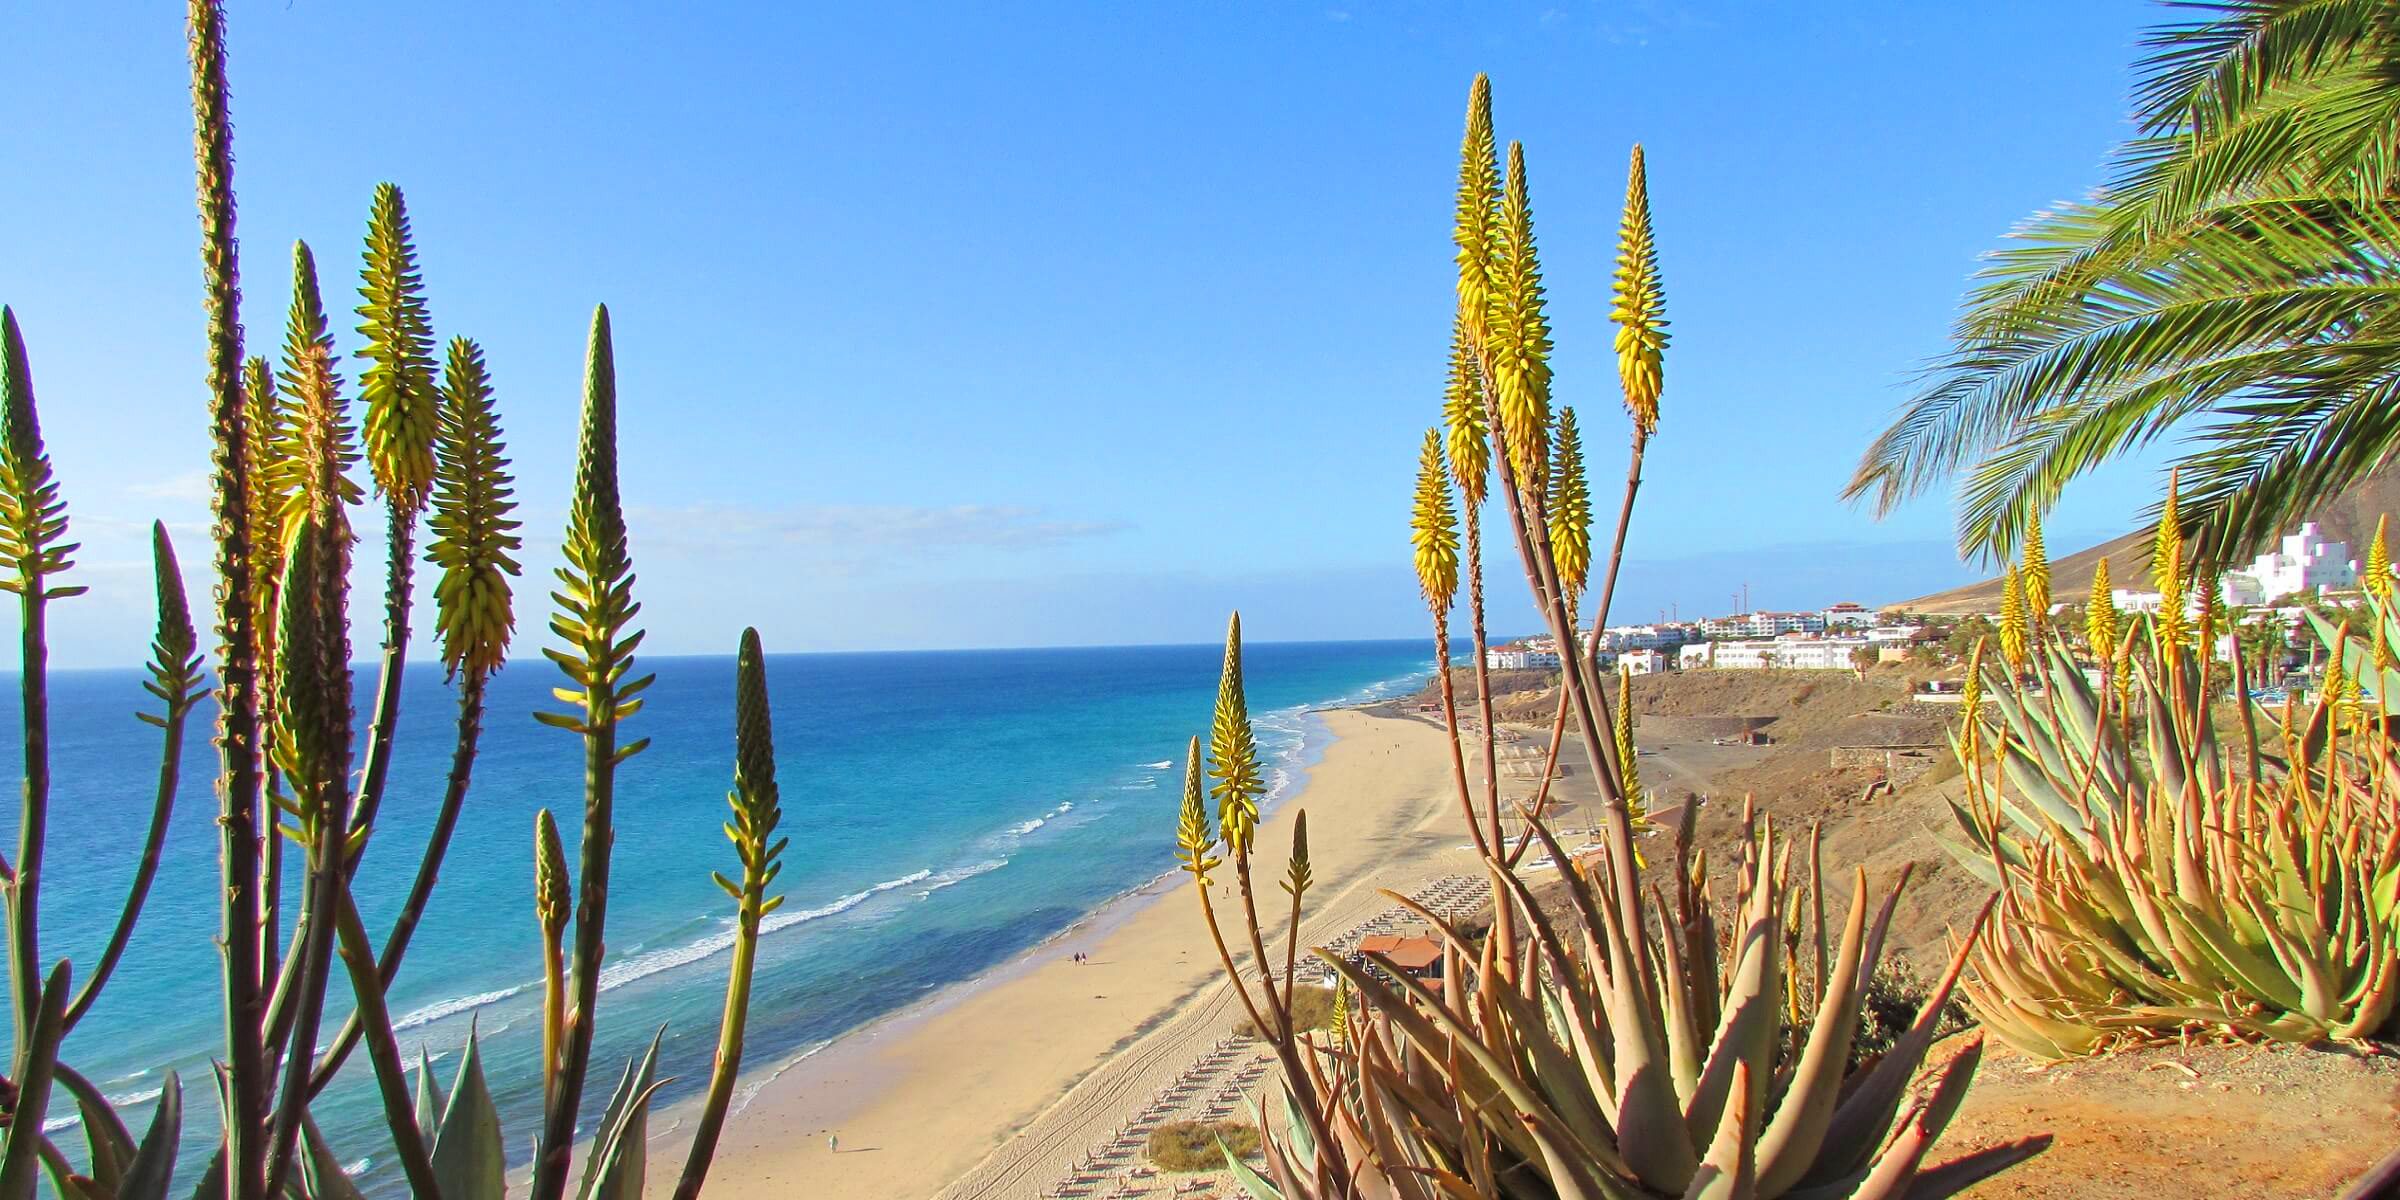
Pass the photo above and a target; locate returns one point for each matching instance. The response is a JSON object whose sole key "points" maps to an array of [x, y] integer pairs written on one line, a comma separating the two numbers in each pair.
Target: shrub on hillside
{"points": [[1192, 1145], [1312, 1007]]}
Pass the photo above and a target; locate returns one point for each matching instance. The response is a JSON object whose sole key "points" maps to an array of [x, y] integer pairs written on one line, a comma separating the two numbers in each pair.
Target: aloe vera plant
{"points": [[1640, 1045], [2158, 881], [285, 452]]}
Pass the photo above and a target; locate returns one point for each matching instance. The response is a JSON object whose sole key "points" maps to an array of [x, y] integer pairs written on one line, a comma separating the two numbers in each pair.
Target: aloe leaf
{"points": [[151, 1170], [1791, 1141], [320, 1169], [469, 1161], [616, 1166], [1251, 1181], [110, 1143], [429, 1093]]}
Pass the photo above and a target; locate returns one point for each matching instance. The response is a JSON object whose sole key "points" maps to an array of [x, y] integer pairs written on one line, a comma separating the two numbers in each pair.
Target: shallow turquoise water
{"points": [[947, 810]]}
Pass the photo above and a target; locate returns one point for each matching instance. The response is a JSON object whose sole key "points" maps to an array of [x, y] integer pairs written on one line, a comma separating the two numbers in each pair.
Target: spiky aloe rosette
{"points": [[2157, 882], [1591, 1079]]}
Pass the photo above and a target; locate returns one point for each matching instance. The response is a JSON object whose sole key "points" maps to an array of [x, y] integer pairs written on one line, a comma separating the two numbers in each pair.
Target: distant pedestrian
{"points": [[833, 1143]]}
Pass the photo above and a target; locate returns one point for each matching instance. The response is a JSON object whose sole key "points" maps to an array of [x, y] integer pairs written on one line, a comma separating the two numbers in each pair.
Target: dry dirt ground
{"points": [[2161, 1122]]}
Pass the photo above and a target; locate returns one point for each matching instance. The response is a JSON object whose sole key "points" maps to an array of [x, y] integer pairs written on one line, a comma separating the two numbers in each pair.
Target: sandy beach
{"points": [[992, 1088]]}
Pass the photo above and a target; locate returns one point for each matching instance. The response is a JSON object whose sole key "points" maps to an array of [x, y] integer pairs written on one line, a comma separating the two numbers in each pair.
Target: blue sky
{"points": [[1057, 323]]}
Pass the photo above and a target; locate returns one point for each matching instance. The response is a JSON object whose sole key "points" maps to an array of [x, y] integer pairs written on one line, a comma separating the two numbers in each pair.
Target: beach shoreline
{"points": [[937, 1097]]}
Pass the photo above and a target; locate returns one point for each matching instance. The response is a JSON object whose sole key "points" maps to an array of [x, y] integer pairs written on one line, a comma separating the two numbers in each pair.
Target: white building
{"points": [[2304, 562], [1764, 624], [1523, 656], [1645, 662], [1647, 637], [1848, 616], [1887, 634], [1783, 653]]}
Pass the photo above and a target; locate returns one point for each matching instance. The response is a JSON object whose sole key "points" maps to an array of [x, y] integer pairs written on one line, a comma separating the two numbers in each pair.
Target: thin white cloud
{"points": [[191, 487]]}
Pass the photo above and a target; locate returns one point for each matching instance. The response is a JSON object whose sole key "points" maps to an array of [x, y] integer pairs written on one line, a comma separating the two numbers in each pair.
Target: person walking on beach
{"points": [[833, 1143]]}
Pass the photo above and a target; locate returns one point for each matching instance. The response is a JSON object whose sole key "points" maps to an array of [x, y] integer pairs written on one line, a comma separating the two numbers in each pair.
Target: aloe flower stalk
{"points": [[2034, 576], [397, 385], [2377, 580], [1639, 310], [176, 679], [402, 422], [552, 901], [757, 810], [595, 615], [1570, 509], [1627, 759], [1517, 333], [1467, 425], [2166, 576], [33, 553], [1433, 531], [1478, 217], [1640, 305], [304, 470], [2013, 631], [237, 665], [475, 543], [1233, 769], [2100, 614], [311, 748]]}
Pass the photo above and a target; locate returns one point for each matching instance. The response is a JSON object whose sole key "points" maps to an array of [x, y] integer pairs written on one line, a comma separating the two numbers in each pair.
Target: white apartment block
{"points": [[2304, 562], [1764, 624], [1523, 656], [1785, 653], [1647, 637]]}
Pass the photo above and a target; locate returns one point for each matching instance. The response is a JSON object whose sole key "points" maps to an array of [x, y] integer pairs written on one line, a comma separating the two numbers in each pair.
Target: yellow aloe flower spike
{"points": [[2378, 578], [1433, 528], [1570, 509], [1970, 704], [2166, 574], [1194, 837], [2035, 575], [1233, 752], [1517, 333], [2013, 631], [2100, 613], [1478, 218], [1469, 431], [1641, 304]]}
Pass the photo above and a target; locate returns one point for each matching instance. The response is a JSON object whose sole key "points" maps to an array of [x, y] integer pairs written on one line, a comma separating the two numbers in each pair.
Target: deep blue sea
{"points": [[946, 811]]}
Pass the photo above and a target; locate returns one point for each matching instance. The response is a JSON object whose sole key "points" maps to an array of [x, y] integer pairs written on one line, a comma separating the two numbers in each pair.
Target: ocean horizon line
{"points": [[363, 664]]}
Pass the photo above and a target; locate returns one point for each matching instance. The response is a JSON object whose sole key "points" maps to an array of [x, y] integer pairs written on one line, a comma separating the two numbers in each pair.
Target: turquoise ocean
{"points": [[947, 810]]}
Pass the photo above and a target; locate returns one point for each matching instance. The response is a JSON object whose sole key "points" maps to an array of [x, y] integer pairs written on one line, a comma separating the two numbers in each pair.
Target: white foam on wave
{"points": [[455, 1006], [1161, 765], [120, 1101], [959, 875], [745, 1095], [643, 966], [1021, 828]]}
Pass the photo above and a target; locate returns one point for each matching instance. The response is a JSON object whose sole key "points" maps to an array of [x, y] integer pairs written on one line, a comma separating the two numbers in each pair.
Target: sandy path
{"points": [[995, 1089]]}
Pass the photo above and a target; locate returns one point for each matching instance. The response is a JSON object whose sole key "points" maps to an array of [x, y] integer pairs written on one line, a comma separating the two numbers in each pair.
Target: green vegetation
{"points": [[1645, 1043], [2228, 288], [293, 782], [1312, 1008], [1200, 1145]]}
